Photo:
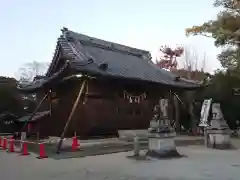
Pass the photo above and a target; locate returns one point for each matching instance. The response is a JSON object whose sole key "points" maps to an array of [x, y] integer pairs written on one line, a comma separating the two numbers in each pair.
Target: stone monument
{"points": [[218, 132], [161, 143]]}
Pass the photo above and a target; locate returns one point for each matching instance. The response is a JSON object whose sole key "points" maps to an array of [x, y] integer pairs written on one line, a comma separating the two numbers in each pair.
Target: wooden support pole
{"points": [[177, 114], [70, 116], [50, 99], [35, 111], [170, 106]]}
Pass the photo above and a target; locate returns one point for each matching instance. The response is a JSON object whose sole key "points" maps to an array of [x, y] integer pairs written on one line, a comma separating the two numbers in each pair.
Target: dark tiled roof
{"points": [[102, 58], [44, 81], [6, 115]]}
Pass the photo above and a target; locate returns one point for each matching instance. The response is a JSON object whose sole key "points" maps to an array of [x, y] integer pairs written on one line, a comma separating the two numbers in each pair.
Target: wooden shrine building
{"points": [[116, 87]]}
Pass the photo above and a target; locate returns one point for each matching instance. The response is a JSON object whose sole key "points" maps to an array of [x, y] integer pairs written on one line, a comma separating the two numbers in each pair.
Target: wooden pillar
{"points": [[177, 114], [170, 106], [50, 101], [71, 115]]}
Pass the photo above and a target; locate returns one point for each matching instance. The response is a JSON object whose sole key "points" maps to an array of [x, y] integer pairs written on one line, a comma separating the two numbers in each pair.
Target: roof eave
{"points": [[47, 82]]}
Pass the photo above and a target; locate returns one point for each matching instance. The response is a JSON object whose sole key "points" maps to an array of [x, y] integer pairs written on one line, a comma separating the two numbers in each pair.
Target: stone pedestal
{"points": [[219, 138], [162, 146]]}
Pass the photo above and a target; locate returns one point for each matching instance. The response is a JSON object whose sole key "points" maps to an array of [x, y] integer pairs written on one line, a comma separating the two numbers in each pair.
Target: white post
{"points": [[205, 137], [136, 146], [23, 138]]}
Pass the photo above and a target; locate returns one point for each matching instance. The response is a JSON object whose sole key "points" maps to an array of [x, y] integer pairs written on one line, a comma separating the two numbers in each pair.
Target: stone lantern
{"points": [[161, 134]]}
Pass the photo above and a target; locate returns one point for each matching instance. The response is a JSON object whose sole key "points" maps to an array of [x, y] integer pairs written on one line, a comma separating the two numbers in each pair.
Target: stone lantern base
{"points": [[162, 146], [219, 139]]}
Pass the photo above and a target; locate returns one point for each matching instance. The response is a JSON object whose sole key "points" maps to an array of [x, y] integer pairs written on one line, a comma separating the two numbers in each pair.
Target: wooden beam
{"points": [[71, 115]]}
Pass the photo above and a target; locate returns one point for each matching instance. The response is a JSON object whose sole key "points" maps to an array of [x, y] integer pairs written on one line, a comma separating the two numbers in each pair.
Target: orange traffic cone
{"points": [[74, 140], [11, 146], [77, 142], [4, 143], [74, 144], [24, 149], [42, 152]]}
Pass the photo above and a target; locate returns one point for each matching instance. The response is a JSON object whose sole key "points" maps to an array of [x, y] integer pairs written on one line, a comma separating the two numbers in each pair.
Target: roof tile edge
{"points": [[107, 44]]}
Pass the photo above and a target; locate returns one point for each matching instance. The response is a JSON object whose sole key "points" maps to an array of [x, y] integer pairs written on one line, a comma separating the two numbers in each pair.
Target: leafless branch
{"points": [[192, 61], [28, 71]]}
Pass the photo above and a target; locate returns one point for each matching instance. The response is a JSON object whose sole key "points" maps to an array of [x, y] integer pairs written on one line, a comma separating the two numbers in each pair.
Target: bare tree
{"points": [[193, 64], [25, 75], [28, 71], [192, 61]]}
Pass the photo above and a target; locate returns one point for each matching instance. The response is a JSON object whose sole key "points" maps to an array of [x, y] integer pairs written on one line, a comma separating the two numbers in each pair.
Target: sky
{"points": [[29, 29]]}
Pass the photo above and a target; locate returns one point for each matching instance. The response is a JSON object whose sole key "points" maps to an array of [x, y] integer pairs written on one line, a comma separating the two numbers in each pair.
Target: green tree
{"points": [[221, 90], [10, 98], [225, 30]]}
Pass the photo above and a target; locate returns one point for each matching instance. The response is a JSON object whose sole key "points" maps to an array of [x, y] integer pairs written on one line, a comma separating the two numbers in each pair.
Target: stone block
{"points": [[219, 139], [162, 147]]}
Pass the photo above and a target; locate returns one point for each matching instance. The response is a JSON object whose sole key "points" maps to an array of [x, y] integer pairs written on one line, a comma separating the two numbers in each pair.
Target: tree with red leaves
{"points": [[169, 59]]}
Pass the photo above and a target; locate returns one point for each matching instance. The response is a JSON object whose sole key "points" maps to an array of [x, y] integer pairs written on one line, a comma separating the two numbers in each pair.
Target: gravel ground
{"points": [[200, 164]]}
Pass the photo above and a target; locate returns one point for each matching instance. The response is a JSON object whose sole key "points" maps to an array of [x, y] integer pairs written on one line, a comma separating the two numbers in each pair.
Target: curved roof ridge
{"points": [[70, 51], [105, 44]]}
